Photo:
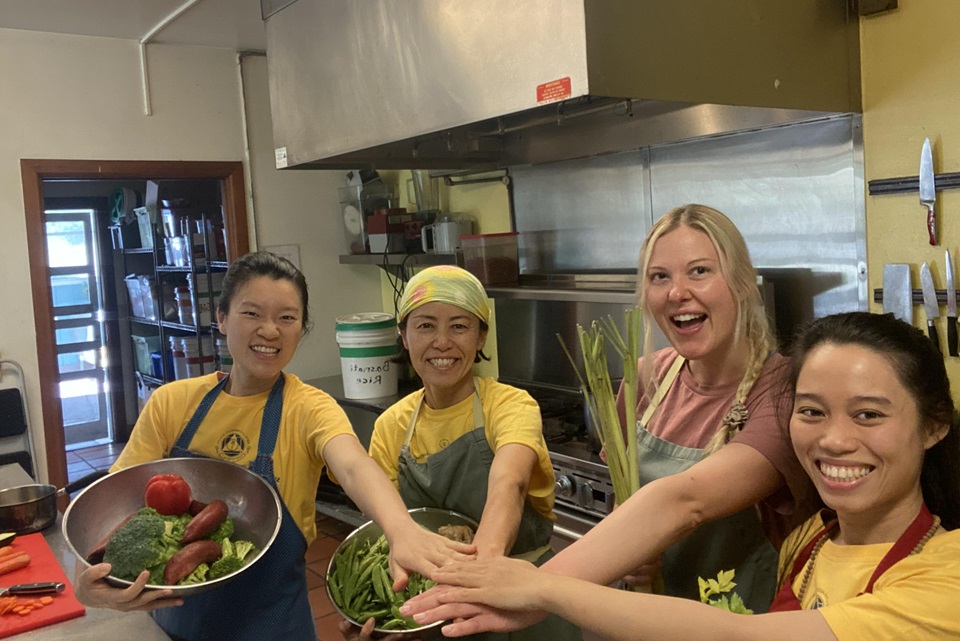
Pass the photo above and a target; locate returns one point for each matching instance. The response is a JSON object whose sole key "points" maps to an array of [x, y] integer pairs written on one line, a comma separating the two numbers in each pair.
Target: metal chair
{"points": [[16, 438]]}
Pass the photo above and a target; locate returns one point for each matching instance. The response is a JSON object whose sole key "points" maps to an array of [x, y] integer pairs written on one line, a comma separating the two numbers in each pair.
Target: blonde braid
{"points": [[761, 344]]}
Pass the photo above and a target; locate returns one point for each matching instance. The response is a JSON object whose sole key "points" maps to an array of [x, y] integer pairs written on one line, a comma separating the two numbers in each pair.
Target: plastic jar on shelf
{"points": [[223, 354], [197, 364], [179, 358], [184, 305]]}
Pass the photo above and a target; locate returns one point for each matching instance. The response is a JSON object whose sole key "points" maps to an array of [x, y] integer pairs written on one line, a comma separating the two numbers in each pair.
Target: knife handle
{"points": [[952, 336], [37, 588], [932, 225], [932, 332]]}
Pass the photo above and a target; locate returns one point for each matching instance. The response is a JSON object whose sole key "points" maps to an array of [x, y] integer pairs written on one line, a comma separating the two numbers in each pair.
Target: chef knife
{"points": [[951, 309], [930, 303], [897, 291], [48, 587], [928, 192]]}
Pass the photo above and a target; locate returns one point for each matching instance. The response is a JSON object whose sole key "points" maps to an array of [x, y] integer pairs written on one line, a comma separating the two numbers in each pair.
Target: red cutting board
{"points": [[43, 567]]}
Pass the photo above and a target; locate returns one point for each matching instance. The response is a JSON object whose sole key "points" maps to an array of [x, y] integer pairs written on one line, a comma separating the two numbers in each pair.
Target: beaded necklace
{"points": [[808, 573]]}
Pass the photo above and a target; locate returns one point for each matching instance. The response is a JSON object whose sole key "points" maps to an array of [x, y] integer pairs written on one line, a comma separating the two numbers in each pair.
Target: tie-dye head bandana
{"points": [[445, 284]]}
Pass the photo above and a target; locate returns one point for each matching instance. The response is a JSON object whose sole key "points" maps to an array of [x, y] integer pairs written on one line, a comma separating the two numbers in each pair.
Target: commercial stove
{"points": [[584, 493]]}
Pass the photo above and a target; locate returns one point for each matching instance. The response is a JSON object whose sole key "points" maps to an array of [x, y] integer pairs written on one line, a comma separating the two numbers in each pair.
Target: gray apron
{"points": [[269, 600], [455, 478], [736, 542]]}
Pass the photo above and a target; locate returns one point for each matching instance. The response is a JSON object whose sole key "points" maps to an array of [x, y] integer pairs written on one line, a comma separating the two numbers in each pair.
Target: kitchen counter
{"points": [[97, 623]]}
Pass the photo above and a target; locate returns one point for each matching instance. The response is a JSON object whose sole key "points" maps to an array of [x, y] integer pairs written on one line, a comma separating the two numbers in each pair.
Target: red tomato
{"points": [[168, 494]]}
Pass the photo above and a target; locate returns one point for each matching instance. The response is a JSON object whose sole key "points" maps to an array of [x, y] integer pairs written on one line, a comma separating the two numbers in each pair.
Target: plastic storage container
{"points": [[142, 347], [368, 347], [492, 258], [133, 292], [223, 355]]}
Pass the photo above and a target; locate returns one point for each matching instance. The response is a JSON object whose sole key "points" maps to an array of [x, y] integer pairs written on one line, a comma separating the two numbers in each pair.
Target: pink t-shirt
{"points": [[691, 413]]}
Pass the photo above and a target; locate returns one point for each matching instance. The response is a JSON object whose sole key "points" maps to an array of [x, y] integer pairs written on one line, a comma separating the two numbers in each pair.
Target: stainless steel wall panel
{"points": [[527, 331], [581, 214], [795, 192]]}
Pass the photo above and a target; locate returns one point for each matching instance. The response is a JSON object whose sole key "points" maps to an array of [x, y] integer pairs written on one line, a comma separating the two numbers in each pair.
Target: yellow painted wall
{"points": [[910, 61], [488, 205]]}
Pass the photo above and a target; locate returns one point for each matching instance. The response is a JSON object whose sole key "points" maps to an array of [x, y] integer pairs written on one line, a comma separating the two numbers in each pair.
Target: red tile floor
{"points": [[330, 532]]}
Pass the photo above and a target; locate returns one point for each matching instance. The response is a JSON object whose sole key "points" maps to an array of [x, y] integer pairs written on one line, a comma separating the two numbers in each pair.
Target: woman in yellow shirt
{"points": [[464, 443]]}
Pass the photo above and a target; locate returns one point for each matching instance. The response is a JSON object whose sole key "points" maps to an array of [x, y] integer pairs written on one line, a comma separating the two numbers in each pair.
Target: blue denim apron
{"points": [[455, 478], [269, 600], [736, 542]]}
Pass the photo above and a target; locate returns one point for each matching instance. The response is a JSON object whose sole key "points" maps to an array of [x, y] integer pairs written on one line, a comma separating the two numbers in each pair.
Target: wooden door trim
{"points": [[33, 172]]}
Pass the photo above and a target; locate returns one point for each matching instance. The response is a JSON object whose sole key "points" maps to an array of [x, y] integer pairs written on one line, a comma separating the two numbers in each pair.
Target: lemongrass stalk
{"points": [[600, 397]]}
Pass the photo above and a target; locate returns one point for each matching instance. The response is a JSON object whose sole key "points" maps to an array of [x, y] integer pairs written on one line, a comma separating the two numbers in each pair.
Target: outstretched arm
{"points": [[412, 548], [667, 510], [506, 496], [615, 614]]}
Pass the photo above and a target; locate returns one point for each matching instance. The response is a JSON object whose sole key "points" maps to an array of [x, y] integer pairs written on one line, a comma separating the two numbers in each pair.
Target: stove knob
{"points": [[585, 494], [565, 487]]}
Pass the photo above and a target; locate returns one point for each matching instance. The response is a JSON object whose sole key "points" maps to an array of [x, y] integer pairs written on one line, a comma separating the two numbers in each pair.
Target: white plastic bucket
{"points": [[368, 345]]}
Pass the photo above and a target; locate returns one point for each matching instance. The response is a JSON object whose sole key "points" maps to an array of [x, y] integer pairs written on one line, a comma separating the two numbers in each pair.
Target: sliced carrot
{"points": [[23, 611], [4, 551], [46, 600]]}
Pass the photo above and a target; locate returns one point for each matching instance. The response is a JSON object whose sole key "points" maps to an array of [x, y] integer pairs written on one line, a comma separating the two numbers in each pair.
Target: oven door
{"points": [[570, 525]]}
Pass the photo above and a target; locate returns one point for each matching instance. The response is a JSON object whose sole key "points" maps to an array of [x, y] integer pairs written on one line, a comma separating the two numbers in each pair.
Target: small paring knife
{"points": [[48, 587], [951, 309], [930, 304]]}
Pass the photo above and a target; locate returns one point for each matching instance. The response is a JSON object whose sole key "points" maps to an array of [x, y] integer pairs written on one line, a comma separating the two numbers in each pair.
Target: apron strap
{"points": [[477, 414], [904, 545], [186, 436], [663, 388]]}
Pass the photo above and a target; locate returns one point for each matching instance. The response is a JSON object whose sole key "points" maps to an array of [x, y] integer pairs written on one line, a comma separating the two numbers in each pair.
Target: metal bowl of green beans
{"points": [[358, 577]]}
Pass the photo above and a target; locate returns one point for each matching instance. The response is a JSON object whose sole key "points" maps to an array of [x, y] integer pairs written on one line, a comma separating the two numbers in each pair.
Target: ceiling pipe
{"points": [[144, 77]]}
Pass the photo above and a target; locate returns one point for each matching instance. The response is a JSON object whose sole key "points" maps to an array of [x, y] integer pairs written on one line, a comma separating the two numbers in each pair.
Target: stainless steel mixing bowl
{"points": [[429, 517], [253, 504]]}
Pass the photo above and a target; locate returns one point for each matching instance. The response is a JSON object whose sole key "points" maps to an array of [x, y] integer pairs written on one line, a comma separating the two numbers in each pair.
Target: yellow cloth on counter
{"points": [[914, 599], [445, 284], [510, 416], [231, 431]]}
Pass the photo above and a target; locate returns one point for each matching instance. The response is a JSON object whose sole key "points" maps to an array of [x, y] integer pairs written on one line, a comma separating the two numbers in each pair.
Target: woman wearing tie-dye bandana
{"points": [[465, 443]]}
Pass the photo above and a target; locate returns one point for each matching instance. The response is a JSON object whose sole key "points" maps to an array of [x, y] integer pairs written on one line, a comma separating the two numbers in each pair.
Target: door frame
{"points": [[33, 172]]}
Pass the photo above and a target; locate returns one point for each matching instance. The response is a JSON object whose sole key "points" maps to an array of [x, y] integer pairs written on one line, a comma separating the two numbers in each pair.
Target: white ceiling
{"points": [[230, 24]]}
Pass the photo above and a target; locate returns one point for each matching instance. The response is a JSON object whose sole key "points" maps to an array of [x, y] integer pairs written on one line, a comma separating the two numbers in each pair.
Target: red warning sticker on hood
{"points": [[554, 90]]}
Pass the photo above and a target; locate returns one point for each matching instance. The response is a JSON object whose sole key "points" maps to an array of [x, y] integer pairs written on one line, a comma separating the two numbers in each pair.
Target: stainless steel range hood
{"points": [[473, 85]]}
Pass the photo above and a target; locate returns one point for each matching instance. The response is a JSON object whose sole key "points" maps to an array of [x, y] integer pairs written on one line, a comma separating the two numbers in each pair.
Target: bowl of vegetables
{"points": [[358, 576], [193, 523]]}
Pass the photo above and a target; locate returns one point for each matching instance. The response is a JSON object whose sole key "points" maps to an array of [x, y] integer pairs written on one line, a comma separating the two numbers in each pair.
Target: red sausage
{"points": [[205, 522], [188, 558], [196, 507], [96, 554]]}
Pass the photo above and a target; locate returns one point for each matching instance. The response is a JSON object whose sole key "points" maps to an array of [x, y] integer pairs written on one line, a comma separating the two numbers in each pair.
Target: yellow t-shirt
{"points": [[510, 416], [231, 431], [914, 599]]}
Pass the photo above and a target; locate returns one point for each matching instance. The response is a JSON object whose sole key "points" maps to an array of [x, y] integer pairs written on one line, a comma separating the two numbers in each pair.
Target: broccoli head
{"points": [[199, 575], [234, 553], [145, 542], [224, 531]]}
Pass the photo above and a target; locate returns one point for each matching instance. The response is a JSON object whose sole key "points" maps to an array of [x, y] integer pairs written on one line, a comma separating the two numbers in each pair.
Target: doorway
{"points": [[47, 315], [77, 296]]}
